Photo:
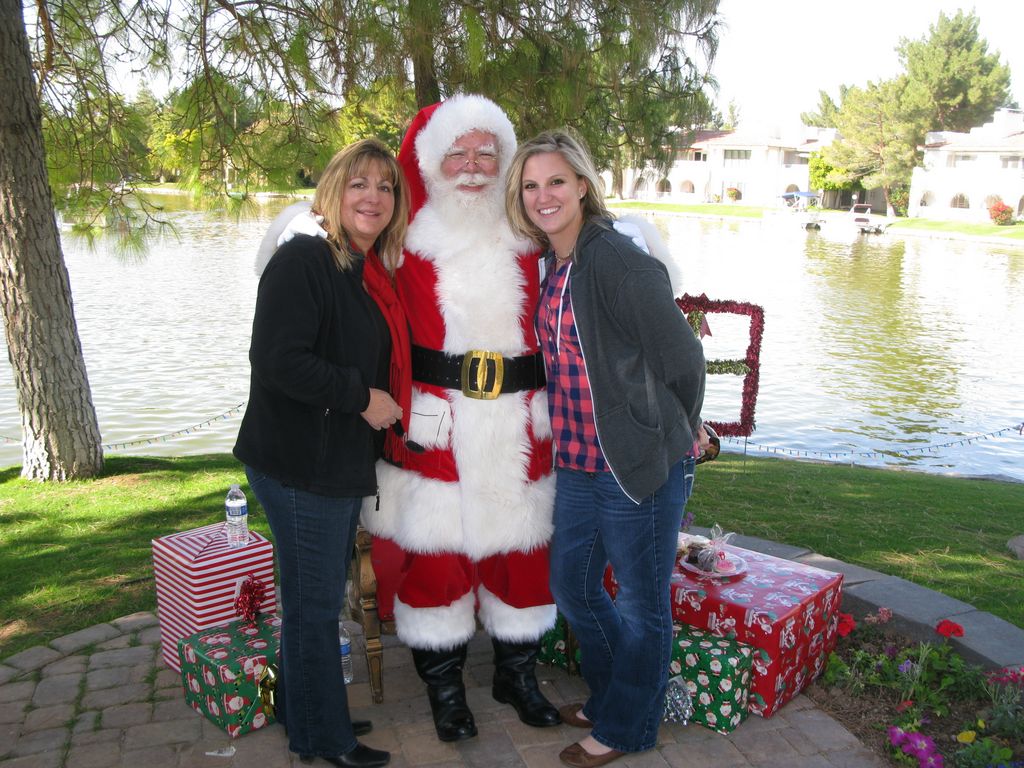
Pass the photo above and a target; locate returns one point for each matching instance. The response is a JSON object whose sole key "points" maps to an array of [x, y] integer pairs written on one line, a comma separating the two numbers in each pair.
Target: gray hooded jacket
{"points": [[645, 365]]}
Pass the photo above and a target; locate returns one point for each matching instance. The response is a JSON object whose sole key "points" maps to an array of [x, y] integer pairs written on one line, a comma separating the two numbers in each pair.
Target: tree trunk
{"points": [[421, 43], [890, 209], [61, 438]]}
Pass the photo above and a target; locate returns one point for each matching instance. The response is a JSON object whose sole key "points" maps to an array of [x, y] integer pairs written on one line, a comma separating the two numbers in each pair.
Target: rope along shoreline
{"points": [[160, 438], [881, 453], [747, 445]]}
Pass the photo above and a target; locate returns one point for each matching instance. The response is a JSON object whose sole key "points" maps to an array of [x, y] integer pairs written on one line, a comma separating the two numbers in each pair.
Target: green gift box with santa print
{"points": [[558, 648], [717, 672], [228, 673]]}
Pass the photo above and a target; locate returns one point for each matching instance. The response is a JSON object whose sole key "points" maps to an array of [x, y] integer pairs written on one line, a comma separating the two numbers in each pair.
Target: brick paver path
{"points": [[101, 698]]}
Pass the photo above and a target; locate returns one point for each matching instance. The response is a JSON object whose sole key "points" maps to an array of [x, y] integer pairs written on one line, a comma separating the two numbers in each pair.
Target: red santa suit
{"points": [[466, 522]]}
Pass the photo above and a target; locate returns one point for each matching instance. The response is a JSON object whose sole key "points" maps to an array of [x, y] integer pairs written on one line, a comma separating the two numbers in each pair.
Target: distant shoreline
{"points": [[833, 218]]}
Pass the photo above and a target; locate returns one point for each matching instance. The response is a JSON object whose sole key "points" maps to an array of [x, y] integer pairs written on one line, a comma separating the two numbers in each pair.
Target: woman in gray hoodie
{"points": [[625, 386]]}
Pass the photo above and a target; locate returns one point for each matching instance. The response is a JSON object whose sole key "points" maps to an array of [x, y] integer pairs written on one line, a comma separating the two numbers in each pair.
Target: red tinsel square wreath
{"points": [[695, 308]]}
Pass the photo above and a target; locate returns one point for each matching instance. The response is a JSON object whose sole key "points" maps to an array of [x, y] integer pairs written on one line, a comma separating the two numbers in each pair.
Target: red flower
{"points": [[846, 624], [948, 628], [903, 706]]}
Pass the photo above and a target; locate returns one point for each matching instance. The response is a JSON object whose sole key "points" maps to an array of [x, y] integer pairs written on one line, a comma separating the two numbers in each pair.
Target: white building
{"points": [[964, 173], [760, 166]]}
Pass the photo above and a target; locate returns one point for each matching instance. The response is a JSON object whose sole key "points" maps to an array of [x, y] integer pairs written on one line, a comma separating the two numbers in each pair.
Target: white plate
{"points": [[737, 563]]}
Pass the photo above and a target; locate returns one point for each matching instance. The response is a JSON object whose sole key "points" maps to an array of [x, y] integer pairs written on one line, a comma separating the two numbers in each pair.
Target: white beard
{"points": [[480, 211]]}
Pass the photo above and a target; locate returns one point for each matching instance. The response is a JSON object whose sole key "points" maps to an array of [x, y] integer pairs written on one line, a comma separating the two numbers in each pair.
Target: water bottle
{"points": [[345, 646], [236, 518]]}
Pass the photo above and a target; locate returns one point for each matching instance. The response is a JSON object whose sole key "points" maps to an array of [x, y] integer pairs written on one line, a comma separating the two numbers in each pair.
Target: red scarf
{"points": [[381, 288]]}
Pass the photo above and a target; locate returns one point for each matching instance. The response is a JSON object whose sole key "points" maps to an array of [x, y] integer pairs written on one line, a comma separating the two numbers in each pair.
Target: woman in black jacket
{"points": [[327, 351]]}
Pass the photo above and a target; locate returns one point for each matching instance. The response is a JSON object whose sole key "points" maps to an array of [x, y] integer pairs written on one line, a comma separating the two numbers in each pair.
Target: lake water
{"points": [[877, 350]]}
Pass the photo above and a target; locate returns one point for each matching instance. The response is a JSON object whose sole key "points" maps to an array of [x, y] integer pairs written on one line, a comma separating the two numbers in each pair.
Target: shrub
{"points": [[1000, 213], [733, 194]]}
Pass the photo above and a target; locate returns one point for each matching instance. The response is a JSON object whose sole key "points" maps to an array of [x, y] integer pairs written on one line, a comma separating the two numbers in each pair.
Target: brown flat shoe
{"points": [[570, 714], [576, 756]]}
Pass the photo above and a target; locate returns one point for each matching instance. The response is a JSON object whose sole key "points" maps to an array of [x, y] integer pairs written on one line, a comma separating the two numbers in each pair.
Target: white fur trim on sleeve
{"points": [[540, 417], [514, 625], [456, 117], [655, 247], [268, 245]]}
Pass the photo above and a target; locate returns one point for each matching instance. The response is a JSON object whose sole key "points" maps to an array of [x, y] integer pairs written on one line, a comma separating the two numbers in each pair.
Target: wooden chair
{"points": [[364, 606]]}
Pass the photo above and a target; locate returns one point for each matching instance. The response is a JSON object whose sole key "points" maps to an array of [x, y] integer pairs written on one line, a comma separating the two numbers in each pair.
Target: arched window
{"points": [[960, 201], [640, 185], [1020, 207], [992, 200], [664, 187], [687, 186], [927, 199]]}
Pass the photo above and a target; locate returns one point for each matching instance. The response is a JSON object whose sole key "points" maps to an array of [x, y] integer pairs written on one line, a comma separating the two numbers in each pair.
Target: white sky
{"points": [[774, 57]]}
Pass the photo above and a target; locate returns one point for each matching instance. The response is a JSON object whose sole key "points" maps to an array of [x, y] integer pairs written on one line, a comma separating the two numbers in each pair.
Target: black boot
{"points": [[442, 672], [515, 683]]}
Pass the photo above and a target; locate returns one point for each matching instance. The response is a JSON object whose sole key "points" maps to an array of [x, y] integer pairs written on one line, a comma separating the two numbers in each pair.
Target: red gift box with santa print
{"points": [[225, 673], [197, 580], [786, 610]]}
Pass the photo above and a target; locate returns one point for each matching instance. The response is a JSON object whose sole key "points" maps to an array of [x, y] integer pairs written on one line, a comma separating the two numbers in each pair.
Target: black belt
{"points": [[478, 374]]}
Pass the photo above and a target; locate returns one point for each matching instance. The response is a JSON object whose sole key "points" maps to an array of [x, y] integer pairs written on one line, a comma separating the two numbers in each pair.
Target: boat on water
{"points": [[803, 206], [866, 222]]}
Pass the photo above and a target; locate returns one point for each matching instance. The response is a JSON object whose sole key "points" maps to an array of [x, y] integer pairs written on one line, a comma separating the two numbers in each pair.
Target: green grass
{"points": [[77, 554], [1013, 231], [704, 209], [945, 533]]}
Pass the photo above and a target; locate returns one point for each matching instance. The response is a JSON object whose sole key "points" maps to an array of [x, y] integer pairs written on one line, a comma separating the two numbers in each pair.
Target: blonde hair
{"points": [[575, 153], [347, 164]]}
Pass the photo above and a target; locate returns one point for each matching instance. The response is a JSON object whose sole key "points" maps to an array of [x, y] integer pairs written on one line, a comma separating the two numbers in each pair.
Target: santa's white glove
{"points": [[305, 223], [632, 231]]}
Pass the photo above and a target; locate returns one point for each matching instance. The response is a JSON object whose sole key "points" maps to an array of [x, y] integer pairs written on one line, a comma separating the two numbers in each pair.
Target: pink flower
{"points": [[934, 760], [884, 615], [948, 628]]}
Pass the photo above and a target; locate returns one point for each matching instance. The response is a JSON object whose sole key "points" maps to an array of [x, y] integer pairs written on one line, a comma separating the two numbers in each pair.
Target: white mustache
{"points": [[473, 179]]}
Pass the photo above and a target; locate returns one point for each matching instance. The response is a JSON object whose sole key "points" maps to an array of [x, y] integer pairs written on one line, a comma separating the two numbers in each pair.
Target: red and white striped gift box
{"points": [[197, 581]]}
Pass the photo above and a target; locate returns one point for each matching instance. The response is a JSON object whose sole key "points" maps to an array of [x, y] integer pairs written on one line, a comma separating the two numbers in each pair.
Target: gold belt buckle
{"points": [[474, 384]]}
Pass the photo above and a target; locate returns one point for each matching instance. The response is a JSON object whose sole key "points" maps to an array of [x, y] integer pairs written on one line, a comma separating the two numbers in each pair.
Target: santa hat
{"points": [[434, 130]]}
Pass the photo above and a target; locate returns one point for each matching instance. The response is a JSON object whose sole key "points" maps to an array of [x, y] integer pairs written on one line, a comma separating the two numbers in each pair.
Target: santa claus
{"points": [[463, 515], [467, 514]]}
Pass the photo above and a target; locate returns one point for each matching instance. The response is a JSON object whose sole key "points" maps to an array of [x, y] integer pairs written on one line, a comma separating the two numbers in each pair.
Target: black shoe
{"points": [[515, 683], [361, 727], [360, 757], [442, 672]]}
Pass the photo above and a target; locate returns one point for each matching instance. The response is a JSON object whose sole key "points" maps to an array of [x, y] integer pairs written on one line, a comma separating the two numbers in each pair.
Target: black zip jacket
{"points": [[319, 343]]}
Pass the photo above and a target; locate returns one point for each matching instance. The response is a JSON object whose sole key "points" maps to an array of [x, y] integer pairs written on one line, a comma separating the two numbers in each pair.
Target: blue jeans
{"points": [[313, 538], [625, 645]]}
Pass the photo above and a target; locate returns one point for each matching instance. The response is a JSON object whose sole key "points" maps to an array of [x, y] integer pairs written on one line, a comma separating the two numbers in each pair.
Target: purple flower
{"points": [[933, 760], [896, 735], [919, 745], [906, 667], [890, 651]]}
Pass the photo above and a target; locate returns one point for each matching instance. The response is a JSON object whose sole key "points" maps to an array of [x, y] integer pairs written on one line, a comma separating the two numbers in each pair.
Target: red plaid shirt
{"points": [[570, 403]]}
